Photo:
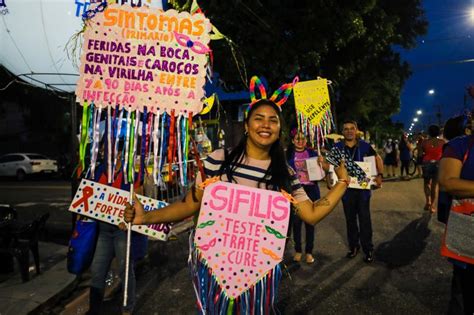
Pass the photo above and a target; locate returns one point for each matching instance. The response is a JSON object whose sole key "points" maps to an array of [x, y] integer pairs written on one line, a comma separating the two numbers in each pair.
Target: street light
{"points": [[431, 92], [415, 119], [419, 112]]}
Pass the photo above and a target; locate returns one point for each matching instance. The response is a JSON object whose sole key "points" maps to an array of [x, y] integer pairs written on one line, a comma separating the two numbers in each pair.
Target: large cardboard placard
{"points": [[241, 233], [105, 203], [312, 99], [138, 57]]}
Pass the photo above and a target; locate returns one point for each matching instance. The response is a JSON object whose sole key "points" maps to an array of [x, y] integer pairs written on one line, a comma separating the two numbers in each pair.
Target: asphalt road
{"points": [[408, 276], [32, 198]]}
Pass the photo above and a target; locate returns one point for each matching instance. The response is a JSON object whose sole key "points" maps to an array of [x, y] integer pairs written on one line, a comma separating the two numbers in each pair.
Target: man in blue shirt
{"points": [[356, 202]]}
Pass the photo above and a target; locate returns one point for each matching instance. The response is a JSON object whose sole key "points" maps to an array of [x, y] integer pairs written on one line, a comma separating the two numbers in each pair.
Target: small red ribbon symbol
{"points": [[87, 192]]}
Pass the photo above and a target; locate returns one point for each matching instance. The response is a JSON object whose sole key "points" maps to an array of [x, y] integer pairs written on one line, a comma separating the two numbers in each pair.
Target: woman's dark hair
{"points": [[403, 142], [277, 175], [455, 127], [433, 131], [350, 121]]}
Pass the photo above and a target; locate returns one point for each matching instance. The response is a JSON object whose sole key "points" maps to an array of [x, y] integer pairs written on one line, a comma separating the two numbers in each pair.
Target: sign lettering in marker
{"points": [[105, 203]]}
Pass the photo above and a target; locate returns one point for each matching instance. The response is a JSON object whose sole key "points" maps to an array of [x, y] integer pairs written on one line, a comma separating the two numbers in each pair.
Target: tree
{"points": [[349, 42]]}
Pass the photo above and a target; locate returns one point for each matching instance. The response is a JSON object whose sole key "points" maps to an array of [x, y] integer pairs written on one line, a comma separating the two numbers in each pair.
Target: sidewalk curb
{"points": [[38, 293]]}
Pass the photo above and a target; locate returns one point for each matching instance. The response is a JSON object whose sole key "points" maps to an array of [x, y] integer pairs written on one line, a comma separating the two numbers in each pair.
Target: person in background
{"points": [[419, 154], [391, 157], [356, 202], [456, 177], [297, 154], [455, 127], [111, 243], [405, 149], [432, 150]]}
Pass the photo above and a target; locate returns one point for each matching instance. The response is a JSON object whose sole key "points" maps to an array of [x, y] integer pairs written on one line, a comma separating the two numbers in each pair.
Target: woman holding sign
{"points": [[258, 161], [111, 243], [297, 155]]}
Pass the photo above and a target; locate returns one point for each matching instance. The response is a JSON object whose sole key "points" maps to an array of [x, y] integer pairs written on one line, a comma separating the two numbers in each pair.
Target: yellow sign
{"points": [[312, 99]]}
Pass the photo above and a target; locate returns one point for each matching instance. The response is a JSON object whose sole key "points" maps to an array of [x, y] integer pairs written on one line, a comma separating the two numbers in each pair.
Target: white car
{"points": [[22, 164]]}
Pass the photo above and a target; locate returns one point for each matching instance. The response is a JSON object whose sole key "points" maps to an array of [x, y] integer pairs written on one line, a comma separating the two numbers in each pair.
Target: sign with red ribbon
{"points": [[107, 204], [241, 233]]}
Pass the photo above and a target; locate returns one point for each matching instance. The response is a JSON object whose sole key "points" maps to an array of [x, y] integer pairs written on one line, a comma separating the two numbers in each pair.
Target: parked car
{"points": [[23, 164]]}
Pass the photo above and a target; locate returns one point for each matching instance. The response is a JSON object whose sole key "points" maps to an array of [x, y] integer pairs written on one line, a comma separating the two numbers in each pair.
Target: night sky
{"points": [[440, 62]]}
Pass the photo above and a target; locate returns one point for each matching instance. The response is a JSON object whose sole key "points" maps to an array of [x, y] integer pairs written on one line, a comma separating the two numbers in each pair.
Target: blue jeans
{"points": [[112, 242]]}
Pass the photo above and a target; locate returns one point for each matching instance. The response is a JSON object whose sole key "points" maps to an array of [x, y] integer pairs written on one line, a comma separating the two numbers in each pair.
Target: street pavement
{"points": [[32, 198], [407, 277]]}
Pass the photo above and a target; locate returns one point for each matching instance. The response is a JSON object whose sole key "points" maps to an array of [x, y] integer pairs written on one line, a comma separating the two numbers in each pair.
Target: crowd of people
{"points": [[259, 160], [445, 161]]}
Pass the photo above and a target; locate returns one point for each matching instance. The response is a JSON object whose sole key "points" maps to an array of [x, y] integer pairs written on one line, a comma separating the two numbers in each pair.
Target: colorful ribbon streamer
{"points": [[156, 129], [128, 133]]}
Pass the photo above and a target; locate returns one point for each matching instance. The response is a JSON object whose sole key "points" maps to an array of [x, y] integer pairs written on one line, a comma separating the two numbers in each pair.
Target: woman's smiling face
{"points": [[263, 127]]}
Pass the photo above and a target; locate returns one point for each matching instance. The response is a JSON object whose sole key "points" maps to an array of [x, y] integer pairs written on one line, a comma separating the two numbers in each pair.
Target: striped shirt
{"points": [[248, 173]]}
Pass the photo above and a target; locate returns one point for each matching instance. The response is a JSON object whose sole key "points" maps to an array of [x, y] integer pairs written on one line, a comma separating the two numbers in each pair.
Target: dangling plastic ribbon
{"points": [[179, 148], [141, 174], [149, 141], [184, 175], [117, 139], [84, 129], [189, 124], [115, 113], [90, 135], [156, 144], [95, 141], [171, 145], [163, 147], [133, 147], [127, 145]]}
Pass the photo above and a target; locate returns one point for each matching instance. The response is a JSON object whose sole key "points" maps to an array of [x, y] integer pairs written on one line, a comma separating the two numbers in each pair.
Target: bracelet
{"points": [[345, 181]]}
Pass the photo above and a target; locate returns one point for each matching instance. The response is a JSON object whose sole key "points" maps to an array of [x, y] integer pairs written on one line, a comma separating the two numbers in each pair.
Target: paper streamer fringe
{"points": [[259, 299], [155, 137]]}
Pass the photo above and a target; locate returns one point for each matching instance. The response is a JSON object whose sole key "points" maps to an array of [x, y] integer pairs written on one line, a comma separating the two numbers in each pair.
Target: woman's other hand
{"points": [[341, 172]]}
